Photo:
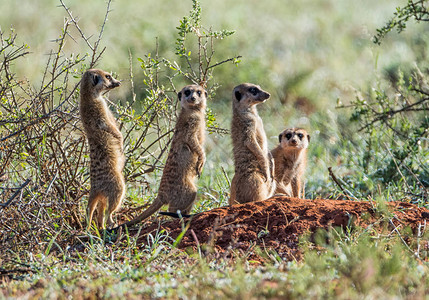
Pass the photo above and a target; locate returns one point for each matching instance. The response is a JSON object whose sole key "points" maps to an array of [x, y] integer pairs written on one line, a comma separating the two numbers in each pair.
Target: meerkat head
{"points": [[193, 96], [247, 94], [294, 138], [98, 81]]}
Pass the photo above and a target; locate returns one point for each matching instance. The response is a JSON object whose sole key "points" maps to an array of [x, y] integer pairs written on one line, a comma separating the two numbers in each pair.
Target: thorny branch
{"points": [[95, 55], [386, 115]]}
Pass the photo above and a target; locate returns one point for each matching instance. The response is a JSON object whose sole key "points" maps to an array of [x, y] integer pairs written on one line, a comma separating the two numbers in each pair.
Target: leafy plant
{"points": [[391, 153], [416, 10], [393, 141]]}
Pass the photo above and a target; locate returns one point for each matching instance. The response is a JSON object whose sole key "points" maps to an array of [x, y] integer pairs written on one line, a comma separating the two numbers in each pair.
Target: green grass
{"points": [[350, 266]]}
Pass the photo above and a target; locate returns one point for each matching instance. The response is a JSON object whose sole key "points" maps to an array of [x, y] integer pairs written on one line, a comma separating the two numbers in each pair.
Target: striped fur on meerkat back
{"points": [[105, 145]]}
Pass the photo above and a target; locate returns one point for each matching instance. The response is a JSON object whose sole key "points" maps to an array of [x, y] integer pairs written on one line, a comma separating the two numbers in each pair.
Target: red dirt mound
{"points": [[277, 223]]}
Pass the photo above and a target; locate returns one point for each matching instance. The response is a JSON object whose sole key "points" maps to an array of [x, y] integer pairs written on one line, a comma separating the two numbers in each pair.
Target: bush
{"points": [[392, 148]]}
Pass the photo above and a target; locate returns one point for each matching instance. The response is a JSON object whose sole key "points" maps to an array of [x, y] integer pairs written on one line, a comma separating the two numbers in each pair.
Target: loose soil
{"points": [[279, 222]]}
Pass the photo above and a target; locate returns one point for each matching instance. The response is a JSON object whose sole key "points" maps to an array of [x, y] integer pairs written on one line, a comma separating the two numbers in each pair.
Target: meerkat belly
{"points": [[261, 137], [180, 163], [189, 158], [289, 165]]}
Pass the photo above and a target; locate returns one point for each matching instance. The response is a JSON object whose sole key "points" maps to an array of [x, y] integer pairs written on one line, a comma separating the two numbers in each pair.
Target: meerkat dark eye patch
{"points": [[199, 93], [288, 135], [237, 95], [95, 79], [300, 135], [187, 93], [253, 91], [108, 77]]}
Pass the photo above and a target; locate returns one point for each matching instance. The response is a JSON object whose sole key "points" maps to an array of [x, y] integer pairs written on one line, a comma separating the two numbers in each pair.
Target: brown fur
{"points": [[105, 145], [253, 179], [186, 157], [290, 158]]}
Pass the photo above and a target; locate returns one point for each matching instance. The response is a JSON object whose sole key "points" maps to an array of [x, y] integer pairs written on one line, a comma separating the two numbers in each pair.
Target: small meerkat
{"points": [[253, 179], [105, 145], [186, 158], [290, 158]]}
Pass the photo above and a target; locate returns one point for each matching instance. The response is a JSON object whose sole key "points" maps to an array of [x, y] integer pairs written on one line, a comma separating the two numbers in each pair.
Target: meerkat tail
{"points": [[175, 215], [153, 208]]}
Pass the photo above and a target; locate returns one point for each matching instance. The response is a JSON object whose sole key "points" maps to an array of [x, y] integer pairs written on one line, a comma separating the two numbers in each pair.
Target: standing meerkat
{"points": [[253, 179], [186, 158], [105, 146], [290, 158]]}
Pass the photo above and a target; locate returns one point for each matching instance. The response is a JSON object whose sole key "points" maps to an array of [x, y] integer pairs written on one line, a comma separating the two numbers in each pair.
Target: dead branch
{"points": [[3, 205]]}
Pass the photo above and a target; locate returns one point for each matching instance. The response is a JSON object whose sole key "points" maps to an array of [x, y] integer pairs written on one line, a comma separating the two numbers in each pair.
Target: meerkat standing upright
{"points": [[253, 179], [186, 158], [105, 145], [290, 158]]}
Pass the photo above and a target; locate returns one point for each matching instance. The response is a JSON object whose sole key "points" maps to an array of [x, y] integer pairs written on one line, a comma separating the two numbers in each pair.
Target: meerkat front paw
{"points": [[265, 174], [200, 165]]}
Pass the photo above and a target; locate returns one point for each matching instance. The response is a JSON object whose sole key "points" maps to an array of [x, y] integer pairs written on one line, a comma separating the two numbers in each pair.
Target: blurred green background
{"points": [[321, 48], [310, 55]]}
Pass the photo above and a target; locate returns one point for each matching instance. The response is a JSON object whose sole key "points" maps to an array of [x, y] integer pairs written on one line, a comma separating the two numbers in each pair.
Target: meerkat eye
{"points": [[288, 135], [108, 77], [187, 93], [199, 93], [300, 135], [253, 91]]}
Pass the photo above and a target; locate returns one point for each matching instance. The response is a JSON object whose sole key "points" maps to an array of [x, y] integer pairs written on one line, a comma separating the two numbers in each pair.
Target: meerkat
{"points": [[105, 145], [253, 179], [290, 158], [185, 159]]}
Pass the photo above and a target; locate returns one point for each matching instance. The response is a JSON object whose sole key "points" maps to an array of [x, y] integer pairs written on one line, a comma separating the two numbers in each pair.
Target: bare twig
{"points": [[19, 191], [224, 61], [337, 182]]}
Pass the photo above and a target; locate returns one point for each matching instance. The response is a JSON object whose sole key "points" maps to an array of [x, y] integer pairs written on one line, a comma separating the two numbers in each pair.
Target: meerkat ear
{"points": [[95, 79], [238, 95], [308, 137], [205, 92], [179, 95], [280, 138]]}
